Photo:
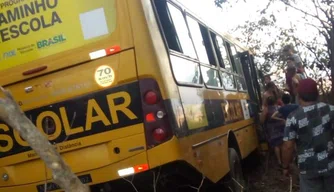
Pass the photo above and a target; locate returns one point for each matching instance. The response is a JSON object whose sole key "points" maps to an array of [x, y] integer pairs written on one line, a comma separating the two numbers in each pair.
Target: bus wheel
{"points": [[237, 182]]}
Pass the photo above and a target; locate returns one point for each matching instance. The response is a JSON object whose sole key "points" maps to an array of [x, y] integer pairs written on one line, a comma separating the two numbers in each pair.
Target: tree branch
{"points": [[316, 57], [306, 13], [326, 14], [329, 16], [302, 11], [320, 31], [11, 113]]}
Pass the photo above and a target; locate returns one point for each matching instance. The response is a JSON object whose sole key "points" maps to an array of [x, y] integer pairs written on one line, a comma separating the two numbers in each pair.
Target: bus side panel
{"points": [[247, 140], [250, 140], [208, 121], [209, 158], [232, 105]]}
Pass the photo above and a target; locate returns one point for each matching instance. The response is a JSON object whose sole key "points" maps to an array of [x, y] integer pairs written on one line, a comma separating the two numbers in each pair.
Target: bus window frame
{"points": [[185, 57], [201, 24], [235, 73], [175, 31], [217, 67], [221, 61], [232, 45], [216, 48], [214, 66], [235, 83], [222, 64], [174, 52], [222, 87], [241, 90], [161, 27]]}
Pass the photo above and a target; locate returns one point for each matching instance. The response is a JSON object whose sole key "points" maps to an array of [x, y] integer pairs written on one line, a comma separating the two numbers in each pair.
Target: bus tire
{"points": [[237, 182]]}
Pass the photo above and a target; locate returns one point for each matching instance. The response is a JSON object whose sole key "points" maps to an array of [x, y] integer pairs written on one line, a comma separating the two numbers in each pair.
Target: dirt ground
{"points": [[270, 179]]}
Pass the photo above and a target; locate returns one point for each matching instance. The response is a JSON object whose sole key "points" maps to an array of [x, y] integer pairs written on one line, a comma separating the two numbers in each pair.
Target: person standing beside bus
{"points": [[283, 112], [289, 52], [293, 81], [311, 128], [274, 128], [272, 90]]}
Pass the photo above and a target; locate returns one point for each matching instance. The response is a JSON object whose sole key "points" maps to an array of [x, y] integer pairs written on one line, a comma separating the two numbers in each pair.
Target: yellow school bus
{"points": [[136, 95]]}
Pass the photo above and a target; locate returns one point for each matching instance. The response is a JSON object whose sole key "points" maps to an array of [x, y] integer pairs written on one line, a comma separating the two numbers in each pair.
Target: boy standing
{"points": [[311, 128]]}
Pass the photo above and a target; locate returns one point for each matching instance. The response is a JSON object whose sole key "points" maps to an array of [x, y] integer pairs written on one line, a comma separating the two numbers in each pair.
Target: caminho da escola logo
{"points": [[9, 54], [51, 41]]}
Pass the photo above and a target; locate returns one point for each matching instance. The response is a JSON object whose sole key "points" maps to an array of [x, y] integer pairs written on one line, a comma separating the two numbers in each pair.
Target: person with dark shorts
{"points": [[311, 129], [283, 113], [274, 128]]}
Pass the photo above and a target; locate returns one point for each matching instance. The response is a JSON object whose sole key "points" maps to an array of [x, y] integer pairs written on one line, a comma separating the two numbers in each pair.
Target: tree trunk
{"points": [[331, 63], [11, 113]]}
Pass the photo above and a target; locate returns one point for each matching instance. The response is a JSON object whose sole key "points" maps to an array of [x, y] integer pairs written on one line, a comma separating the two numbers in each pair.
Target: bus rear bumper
{"points": [[92, 177], [174, 176], [160, 159]]}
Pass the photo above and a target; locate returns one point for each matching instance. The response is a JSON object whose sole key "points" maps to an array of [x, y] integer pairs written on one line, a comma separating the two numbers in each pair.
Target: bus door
{"points": [[253, 86]]}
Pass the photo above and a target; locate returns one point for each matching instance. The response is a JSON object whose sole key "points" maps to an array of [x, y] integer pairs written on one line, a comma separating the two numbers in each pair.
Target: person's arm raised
{"points": [[275, 116]]}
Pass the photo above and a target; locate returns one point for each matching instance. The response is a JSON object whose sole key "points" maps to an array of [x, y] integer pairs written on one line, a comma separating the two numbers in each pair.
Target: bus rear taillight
{"points": [[151, 98], [159, 134], [150, 117], [157, 126]]}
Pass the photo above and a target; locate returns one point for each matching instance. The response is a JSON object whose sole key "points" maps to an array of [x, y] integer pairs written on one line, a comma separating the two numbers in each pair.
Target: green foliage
{"points": [[219, 3], [317, 52]]}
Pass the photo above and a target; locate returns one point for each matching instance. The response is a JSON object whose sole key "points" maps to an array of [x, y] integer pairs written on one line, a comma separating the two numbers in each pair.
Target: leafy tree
{"points": [[317, 51]]}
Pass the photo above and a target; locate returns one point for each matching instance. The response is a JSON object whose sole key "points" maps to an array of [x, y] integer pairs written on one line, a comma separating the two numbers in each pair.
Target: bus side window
{"points": [[224, 54], [211, 76], [198, 40], [216, 48], [224, 60], [180, 26], [240, 80], [185, 71], [208, 46], [175, 28], [167, 25], [204, 50], [236, 59], [200, 37]]}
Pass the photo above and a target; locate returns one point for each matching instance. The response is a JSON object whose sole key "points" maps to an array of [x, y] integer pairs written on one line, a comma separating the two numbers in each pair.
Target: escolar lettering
{"points": [[95, 113], [232, 110], [25, 27]]}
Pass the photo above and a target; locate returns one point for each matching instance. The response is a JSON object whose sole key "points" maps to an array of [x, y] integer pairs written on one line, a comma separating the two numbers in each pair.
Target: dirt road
{"points": [[271, 180]]}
